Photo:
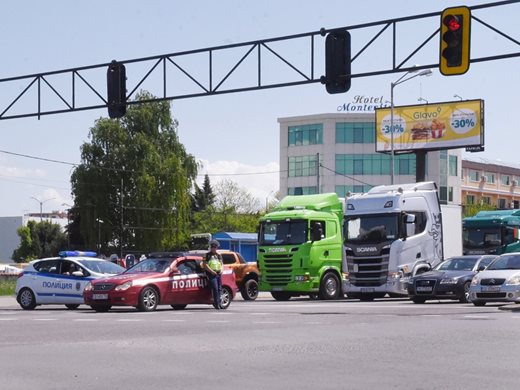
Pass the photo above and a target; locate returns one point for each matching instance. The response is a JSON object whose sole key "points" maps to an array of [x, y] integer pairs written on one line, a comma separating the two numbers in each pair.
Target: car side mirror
{"points": [[481, 268]]}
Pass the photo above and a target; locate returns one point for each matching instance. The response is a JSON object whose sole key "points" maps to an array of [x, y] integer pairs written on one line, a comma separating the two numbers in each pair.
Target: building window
{"points": [[302, 166], [374, 164], [490, 177], [505, 179], [302, 190], [474, 175], [341, 191], [470, 199], [306, 135], [450, 194], [485, 200], [453, 166], [355, 133], [443, 194], [502, 203]]}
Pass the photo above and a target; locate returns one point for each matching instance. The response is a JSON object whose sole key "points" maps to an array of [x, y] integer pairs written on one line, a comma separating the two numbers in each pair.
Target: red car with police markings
{"points": [[158, 281]]}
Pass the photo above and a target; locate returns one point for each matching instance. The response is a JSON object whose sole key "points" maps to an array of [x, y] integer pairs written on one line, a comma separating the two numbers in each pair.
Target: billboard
{"points": [[433, 126]]}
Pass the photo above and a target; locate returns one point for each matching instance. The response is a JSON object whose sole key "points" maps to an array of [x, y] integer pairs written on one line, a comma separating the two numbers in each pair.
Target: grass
{"points": [[7, 285]]}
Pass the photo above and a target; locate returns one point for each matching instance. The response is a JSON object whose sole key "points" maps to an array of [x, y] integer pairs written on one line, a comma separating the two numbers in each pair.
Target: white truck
{"points": [[393, 232]]}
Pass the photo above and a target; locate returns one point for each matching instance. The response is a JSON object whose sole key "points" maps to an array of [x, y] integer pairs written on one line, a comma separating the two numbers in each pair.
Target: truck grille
{"points": [[371, 270], [277, 269]]}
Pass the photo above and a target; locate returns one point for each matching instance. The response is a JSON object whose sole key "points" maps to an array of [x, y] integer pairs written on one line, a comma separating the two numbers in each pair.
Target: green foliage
{"points": [[204, 197], [136, 177], [39, 239], [7, 285], [470, 210]]}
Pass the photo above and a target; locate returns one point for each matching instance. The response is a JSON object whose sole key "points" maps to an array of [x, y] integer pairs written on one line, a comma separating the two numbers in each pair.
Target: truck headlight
{"points": [[513, 280], [394, 275], [123, 287], [449, 281]]}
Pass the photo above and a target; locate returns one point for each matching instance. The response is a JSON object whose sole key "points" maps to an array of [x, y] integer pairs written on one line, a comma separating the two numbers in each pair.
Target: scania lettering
{"points": [[491, 232], [394, 232], [300, 247]]}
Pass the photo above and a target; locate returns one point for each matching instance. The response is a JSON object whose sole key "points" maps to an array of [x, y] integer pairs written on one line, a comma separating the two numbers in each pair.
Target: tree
{"points": [[39, 239], [234, 209], [204, 197], [132, 189]]}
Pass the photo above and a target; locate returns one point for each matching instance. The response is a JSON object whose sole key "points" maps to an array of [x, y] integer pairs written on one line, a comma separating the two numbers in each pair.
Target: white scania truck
{"points": [[393, 232]]}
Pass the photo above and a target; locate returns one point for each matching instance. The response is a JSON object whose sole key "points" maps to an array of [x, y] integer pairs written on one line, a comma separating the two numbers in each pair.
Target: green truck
{"points": [[491, 232], [300, 247]]}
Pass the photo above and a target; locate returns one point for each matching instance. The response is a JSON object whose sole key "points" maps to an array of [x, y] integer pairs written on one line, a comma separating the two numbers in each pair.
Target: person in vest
{"points": [[213, 266]]}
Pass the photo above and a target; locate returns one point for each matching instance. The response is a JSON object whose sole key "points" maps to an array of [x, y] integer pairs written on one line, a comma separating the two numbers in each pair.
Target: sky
{"points": [[234, 136]]}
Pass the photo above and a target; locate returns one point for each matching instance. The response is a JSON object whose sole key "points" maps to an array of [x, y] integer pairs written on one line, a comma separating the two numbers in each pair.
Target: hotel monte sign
{"points": [[363, 103]]}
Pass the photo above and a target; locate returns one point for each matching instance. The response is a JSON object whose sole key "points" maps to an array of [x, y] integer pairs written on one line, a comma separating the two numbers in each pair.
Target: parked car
{"points": [[60, 280], [175, 281], [450, 279], [246, 274], [499, 282]]}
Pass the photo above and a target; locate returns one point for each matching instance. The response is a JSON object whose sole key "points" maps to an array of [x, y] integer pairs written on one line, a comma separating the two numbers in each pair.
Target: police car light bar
{"points": [[77, 253]]}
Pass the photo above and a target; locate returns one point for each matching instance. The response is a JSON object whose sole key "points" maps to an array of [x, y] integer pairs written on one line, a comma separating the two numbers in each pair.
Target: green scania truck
{"points": [[491, 232], [300, 247]]}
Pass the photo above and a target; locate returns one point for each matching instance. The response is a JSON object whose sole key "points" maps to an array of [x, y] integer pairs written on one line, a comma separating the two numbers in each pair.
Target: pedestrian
{"points": [[213, 265]]}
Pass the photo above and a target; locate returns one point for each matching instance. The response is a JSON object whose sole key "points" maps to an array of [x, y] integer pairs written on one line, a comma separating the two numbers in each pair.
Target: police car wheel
{"points": [[179, 307], [26, 299], [249, 290], [148, 299], [72, 307], [225, 297]]}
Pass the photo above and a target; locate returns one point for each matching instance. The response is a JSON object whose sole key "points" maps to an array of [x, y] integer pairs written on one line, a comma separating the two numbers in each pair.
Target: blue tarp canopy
{"points": [[244, 243]]}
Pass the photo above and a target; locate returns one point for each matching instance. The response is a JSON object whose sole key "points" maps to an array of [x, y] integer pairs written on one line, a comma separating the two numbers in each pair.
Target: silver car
{"points": [[499, 282]]}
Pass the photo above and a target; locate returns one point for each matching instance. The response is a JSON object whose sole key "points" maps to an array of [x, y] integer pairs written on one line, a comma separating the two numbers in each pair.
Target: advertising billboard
{"points": [[433, 126]]}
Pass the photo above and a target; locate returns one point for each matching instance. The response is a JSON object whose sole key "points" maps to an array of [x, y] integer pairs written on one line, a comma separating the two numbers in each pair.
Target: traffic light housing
{"points": [[116, 90], [455, 41], [337, 62]]}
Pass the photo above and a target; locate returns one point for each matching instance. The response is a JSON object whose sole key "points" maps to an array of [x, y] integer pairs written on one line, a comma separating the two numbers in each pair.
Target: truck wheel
{"points": [[179, 307], [464, 298], [330, 287], [26, 299], [418, 300], [281, 295], [148, 299], [249, 290], [225, 297]]}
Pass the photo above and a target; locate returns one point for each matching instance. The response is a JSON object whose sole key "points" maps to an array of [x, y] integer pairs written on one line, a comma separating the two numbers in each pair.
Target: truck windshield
{"points": [[286, 232], [481, 238], [371, 228]]}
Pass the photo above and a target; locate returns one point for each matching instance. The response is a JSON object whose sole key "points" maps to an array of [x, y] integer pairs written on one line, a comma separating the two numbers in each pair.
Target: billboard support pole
{"points": [[420, 165]]}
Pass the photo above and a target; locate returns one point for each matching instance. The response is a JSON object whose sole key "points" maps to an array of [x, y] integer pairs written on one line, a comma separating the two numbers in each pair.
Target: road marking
{"points": [[475, 316], [86, 319], [130, 320], [313, 323], [217, 321], [174, 320], [8, 319], [44, 319], [266, 322], [259, 314]]}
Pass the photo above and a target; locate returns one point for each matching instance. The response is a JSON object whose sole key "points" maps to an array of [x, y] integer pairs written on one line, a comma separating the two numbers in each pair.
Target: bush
{"points": [[7, 284]]}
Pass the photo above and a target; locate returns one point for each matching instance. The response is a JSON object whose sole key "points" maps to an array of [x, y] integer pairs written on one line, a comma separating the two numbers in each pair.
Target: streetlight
{"points": [[457, 96], [68, 222], [400, 80], [267, 200], [41, 202], [422, 100], [99, 221]]}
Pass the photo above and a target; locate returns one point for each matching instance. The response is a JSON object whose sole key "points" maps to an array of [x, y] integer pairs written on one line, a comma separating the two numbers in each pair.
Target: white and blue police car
{"points": [[61, 280]]}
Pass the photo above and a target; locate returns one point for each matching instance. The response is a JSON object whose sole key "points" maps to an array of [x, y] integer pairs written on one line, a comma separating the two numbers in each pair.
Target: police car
{"points": [[61, 280]]}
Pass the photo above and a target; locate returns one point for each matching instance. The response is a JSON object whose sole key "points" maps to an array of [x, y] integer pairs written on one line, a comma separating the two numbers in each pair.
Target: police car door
{"points": [[188, 286], [45, 283], [70, 286]]}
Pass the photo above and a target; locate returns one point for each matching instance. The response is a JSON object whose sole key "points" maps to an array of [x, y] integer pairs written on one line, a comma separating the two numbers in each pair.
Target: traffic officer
{"points": [[213, 265]]}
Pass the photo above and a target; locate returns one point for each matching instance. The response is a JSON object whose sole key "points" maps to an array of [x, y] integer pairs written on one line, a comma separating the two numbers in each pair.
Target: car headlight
{"points": [[88, 287], [474, 281], [449, 281], [123, 287], [513, 280]]}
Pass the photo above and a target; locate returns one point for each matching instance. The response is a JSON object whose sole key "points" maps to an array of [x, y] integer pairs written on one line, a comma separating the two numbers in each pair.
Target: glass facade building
{"points": [[336, 153]]}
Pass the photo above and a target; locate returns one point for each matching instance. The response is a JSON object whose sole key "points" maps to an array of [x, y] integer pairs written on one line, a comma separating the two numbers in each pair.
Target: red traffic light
{"points": [[452, 22]]}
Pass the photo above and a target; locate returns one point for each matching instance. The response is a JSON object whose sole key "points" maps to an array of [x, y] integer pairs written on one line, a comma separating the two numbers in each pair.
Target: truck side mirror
{"points": [[410, 224]]}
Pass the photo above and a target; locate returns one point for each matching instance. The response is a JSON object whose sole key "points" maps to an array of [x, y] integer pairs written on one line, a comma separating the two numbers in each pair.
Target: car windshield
{"points": [[457, 264], [101, 266], [151, 265], [506, 262]]}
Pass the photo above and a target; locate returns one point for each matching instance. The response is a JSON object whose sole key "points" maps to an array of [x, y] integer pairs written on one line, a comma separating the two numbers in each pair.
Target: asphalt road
{"points": [[300, 344]]}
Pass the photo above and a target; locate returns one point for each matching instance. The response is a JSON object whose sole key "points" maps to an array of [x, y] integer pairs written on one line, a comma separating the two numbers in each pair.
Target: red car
{"points": [[158, 281]]}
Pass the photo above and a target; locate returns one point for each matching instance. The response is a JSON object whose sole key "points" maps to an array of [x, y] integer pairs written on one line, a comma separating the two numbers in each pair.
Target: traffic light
{"points": [[455, 40], [116, 90], [337, 62]]}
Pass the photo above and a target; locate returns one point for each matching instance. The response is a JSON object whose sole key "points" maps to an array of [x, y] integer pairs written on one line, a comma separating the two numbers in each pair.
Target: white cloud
{"points": [[261, 181]]}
